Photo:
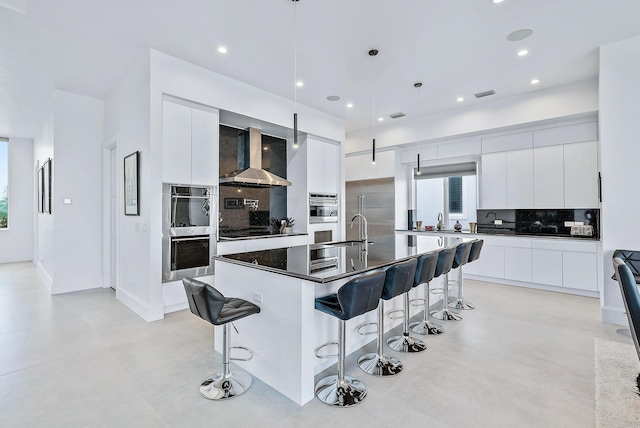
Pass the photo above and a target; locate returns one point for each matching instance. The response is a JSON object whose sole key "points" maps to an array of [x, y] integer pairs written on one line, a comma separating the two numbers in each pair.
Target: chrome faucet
{"points": [[364, 236]]}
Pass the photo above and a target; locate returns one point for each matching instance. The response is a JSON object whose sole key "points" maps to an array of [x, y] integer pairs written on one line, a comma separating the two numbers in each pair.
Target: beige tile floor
{"points": [[524, 358]]}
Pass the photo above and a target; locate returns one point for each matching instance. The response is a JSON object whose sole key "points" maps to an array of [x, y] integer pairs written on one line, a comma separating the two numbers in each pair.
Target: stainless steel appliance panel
{"points": [[323, 208], [187, 256]]}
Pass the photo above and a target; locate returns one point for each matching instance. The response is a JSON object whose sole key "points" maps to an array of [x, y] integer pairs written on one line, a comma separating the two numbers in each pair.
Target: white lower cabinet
{"points": [[564, 263], [547, 267]]}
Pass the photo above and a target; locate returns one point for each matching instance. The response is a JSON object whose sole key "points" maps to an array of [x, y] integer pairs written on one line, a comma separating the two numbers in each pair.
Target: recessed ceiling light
{"points": [[497, 1], [523, 52], [380, 119], [460, 99], [333, 98], [535, 81], [222, 50], [520, 34], [349, 105], [299, 84]]}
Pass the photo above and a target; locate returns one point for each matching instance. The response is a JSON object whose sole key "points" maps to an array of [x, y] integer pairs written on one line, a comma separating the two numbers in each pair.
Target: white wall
{"points": [[127, 122], [620, 153], [564, 101], [16, 242]]}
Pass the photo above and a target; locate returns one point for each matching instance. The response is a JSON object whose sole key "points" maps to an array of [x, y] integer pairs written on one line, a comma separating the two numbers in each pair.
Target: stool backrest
{"points": [[476, 248], [630, 258], [399, 278], [445, 260], [631, 298], [204, 301], [361, 294], [462, 254], [426, 268]]}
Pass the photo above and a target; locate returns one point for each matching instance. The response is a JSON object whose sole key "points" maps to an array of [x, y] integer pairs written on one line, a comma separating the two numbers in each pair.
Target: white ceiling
{"points": [[455, 47]]}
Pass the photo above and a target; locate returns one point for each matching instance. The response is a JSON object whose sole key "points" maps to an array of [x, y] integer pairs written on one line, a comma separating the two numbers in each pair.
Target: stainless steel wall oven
{"points": [[189, 231], [323, 208]]}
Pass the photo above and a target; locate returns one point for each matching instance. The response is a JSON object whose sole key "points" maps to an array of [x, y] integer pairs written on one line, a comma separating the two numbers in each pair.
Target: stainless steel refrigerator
{"points": [[374, 199]]}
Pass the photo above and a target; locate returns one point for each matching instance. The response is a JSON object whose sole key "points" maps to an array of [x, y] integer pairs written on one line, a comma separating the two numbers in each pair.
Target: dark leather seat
{"points": [[446, 257], [209, 304], [630, 297], [632, 259], [475, 247], [400, 280], [358, 296], [425, 272]]}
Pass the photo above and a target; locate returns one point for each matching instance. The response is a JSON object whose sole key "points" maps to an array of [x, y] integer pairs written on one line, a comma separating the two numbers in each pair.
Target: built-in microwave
{"points": [[187, 210], [323, 208]]}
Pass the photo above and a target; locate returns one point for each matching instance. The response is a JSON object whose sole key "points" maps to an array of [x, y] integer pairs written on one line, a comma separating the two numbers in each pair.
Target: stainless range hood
{"points": [[250, 172]]}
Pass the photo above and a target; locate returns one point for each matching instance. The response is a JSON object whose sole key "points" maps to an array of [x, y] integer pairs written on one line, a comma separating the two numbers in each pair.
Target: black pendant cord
{"points": [[295, 74], [418, 85], [373, 53]]}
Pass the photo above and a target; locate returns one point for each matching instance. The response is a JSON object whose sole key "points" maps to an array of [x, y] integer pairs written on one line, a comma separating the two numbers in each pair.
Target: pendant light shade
{"points": [[295, 75], [373, 53], [418, 171]]}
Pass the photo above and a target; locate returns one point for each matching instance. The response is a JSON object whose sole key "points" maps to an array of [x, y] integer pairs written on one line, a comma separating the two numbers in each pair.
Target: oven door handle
{"points": [[194, 238]]}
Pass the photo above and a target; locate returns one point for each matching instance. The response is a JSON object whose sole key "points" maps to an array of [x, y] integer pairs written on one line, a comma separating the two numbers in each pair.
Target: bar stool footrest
{"points": [[317, 350], [249, 358], [367, 324], [392, 315]]}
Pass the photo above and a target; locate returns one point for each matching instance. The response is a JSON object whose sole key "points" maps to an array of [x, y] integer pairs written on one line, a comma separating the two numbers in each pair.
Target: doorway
{"points": [[110, 215]]}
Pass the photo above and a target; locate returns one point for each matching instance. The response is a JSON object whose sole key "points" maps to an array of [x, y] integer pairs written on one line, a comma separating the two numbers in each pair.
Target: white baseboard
{"points": [[48, 281], [16, 258], [176, 307], [565, 290], [614, 315], [138, 306]]}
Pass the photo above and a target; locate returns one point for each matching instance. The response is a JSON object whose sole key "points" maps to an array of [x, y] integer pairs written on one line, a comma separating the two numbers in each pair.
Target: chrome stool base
{"points": [[406, 344], [461, 304], [346, 394], [426, 327], [224, 388], [377, 365], [446, 315]]}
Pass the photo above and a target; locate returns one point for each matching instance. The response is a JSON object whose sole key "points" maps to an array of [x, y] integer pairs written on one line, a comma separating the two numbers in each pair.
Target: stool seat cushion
{"points": [[445, 261], [462, 254], [356, 297], [399, 279], [426, 268], [210, 305], [630, 258], [476, 248]]}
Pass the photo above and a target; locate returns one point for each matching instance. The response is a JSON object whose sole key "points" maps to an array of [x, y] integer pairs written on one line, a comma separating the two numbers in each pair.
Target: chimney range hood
{"points": [[250, 172]]}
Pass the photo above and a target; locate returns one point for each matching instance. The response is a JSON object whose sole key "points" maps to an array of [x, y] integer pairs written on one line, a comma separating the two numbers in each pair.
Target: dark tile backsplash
{"points": [[539, 222]]}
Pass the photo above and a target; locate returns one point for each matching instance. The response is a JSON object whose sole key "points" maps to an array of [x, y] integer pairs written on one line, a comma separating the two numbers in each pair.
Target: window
{"points": [[455, 195], [4, 183]]}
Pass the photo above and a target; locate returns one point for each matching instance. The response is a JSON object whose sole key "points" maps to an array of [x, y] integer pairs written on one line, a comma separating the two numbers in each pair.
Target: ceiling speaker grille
{"points": [[485, 94], [397, 115]]}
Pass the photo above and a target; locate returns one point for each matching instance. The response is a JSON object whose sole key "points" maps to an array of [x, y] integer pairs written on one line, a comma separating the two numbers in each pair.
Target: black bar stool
{"points": [[400, 279], [474, 254], [209, 304], [446, 257], [356, 297], [425, 272]]}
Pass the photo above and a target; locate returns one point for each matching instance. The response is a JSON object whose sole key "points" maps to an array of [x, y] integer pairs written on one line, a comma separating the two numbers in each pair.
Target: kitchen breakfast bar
{"points": [[285, 282]]}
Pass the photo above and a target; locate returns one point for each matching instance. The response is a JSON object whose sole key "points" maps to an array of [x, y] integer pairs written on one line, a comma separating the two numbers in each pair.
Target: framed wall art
{"points": [[47, 173], [132, 184]]}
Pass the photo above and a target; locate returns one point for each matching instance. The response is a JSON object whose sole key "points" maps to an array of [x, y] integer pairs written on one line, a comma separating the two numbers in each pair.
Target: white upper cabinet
{"points": [[190, 145], [581, 175], [361, 167], [548, 173], [493, 194], [322, 166], [520, 179], [176, 143]]}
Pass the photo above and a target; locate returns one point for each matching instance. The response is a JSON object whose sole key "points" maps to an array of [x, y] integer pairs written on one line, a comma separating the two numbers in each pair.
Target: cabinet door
{"points": [[331, 168], [517, 264], [548, 177], [547, 267], [519, 179], [353, 168], [204, 147], [385, 164], [581, 175], [491, 262], [579, 271], [315, 166], [493, 181], [176, 143]]}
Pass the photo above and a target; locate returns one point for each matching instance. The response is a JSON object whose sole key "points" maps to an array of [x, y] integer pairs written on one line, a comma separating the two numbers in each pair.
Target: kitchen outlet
{"points": [[497, 222], [257, 297], [569, 223]]}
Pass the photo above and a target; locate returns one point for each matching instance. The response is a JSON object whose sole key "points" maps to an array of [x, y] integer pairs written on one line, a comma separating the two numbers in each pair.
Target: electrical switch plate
{"points": [[257, 297], [497, 222]]}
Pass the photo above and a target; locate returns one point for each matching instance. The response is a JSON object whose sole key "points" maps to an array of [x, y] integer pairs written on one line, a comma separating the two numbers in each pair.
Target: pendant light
{"points": [[373, 53], [295, 75], [418, 85]]}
